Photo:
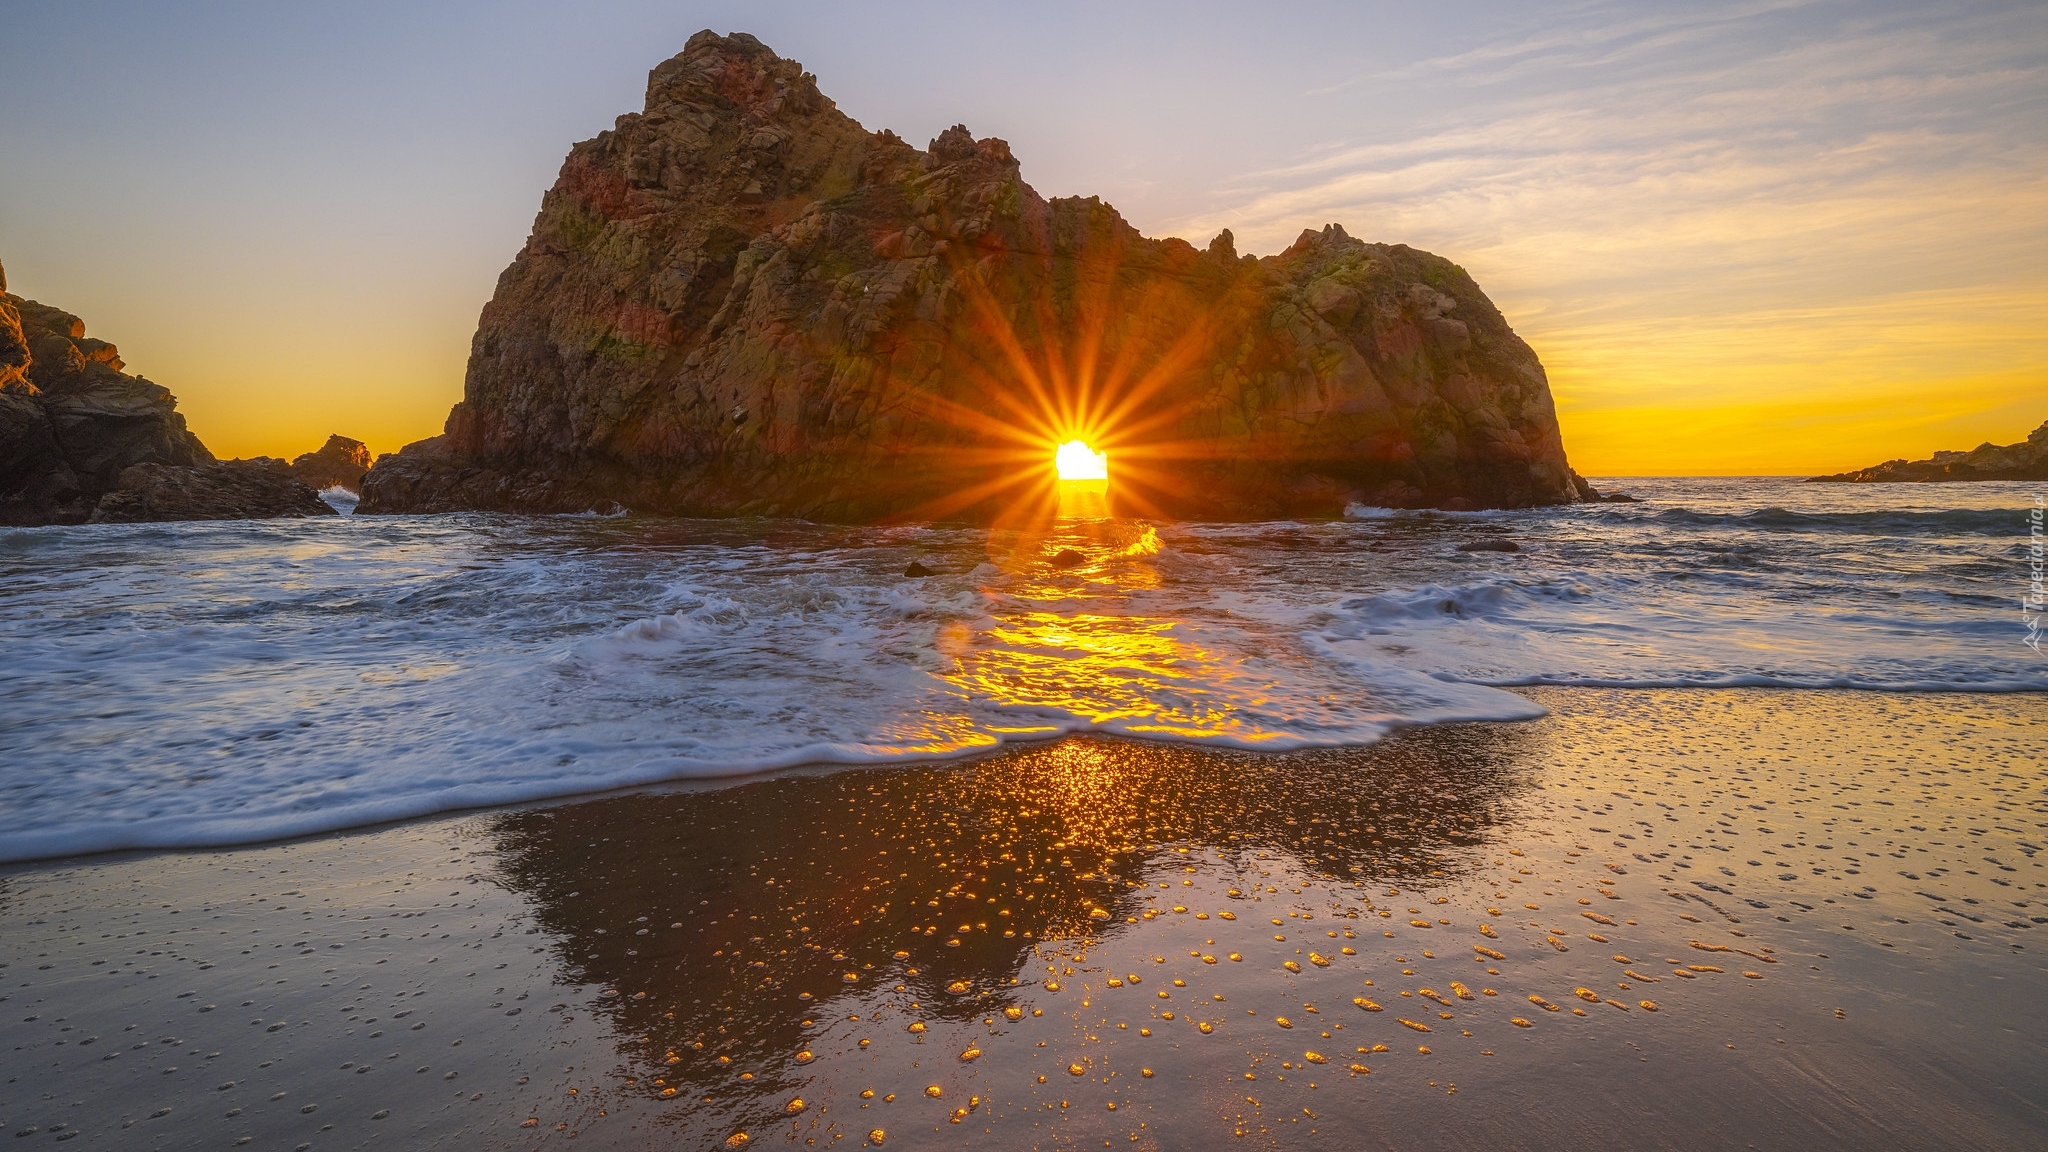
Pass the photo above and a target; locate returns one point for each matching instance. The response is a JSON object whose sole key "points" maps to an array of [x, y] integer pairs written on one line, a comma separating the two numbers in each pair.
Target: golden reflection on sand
{"points": [[869, 914], [1645, 905], [1048, 929]]}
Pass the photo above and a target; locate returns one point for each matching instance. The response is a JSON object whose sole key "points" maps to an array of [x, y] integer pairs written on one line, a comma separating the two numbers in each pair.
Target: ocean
{"points": [[213, 684]]}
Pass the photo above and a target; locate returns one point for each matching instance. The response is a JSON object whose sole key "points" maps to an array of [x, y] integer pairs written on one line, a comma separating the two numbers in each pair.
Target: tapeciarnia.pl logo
{"points": [[2036, 600]]}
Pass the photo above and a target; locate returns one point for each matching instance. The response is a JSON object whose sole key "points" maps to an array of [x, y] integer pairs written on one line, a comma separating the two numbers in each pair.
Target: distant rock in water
{"points": [[340, 463], [78, 437], [740, 301], [2026, 460]]}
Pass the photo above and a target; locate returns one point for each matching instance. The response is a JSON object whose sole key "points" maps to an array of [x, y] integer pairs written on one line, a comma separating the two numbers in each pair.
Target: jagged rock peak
{"points": [[339, 463], [732, 72]]}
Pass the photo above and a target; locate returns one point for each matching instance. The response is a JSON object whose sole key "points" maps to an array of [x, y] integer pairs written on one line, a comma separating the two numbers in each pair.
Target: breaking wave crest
{"points": [[1582, 628]]}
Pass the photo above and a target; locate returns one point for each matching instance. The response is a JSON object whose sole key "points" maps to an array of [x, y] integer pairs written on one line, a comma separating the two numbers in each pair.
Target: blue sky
{"points": [[1743, 237]]}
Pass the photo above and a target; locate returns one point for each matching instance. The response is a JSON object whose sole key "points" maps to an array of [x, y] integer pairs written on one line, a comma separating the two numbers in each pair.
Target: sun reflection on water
{"points": [[1065, 647]]}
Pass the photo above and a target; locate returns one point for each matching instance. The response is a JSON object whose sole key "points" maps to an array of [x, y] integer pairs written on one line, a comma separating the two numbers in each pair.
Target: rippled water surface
{"points": [[198, 684]]}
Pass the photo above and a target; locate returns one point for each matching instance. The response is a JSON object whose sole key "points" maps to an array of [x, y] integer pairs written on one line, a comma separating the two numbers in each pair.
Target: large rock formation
{"points": [[2026, 460], [739, 301], [76, 432]]}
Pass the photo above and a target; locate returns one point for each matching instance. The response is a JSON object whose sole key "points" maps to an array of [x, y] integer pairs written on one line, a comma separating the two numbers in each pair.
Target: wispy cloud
{"points": [[1706, 208], [1582, 36]]}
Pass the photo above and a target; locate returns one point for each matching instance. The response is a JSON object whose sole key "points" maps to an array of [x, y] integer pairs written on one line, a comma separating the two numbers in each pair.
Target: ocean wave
{"points": [[1375, 512], [1949, 522], [2038, 683], [1613, 630], [208, 684]]}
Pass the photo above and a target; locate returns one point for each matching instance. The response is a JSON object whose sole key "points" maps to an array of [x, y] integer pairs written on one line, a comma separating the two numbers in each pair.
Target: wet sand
{"points": [[1663, 919]]}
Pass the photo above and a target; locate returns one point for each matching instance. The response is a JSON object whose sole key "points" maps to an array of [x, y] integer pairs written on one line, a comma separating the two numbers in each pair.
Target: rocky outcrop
{"points": [[226, 490], [2026, 460], [739, 301], [340, 463], [75, 431]]}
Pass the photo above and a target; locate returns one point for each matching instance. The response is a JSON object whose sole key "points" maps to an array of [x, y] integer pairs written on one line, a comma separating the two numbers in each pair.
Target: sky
{"points": [[1744, 238]]}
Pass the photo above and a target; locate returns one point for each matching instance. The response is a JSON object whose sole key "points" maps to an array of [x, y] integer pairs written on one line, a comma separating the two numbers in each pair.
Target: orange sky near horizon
{"points": [[1747, 402], [1799, 393]]}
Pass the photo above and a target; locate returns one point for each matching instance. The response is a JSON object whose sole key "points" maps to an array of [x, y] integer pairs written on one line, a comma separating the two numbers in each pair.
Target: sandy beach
{"points": [[1653, 919]]}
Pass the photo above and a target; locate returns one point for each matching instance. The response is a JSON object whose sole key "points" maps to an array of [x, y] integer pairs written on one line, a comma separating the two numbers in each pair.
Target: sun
{"points": [[1076, 461]]}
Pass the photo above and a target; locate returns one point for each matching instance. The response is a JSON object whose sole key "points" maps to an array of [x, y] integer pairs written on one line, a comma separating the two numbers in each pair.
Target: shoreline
{"points": [[657, 784]]}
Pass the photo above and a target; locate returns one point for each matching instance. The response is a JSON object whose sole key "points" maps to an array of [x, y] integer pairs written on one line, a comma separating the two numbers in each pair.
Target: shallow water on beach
{"points": [[1651, 919], [207, 684]]}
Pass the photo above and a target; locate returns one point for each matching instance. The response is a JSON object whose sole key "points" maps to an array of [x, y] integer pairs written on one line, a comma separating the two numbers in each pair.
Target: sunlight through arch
{"points": [[1075, 460]]}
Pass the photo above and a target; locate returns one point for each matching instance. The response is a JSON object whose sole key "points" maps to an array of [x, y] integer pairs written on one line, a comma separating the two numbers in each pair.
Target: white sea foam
{"points": [[1376, 512], [340, 499], [201, 684]]}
